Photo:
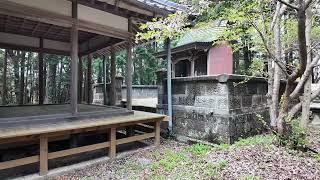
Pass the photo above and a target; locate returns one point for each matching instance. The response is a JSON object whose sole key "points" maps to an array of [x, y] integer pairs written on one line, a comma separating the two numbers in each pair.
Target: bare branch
{"points": [[304, 77], [308, 3], [289, 5], [295, 109], [279, 63]]}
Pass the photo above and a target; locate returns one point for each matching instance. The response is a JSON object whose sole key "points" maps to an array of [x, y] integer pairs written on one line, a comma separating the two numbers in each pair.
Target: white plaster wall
{"points": [[100, 17], [62, 7]]}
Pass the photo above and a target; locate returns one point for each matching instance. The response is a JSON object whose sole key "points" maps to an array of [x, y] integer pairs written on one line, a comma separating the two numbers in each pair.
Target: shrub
{"points": [[295, 135]]}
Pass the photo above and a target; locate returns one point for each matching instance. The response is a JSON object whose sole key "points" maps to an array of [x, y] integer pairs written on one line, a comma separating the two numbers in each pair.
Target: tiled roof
{"points": [[164, 4], [203, 34]]}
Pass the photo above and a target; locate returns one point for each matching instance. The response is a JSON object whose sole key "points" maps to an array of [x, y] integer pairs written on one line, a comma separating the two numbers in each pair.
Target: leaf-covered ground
{"points": [[253, 158]]}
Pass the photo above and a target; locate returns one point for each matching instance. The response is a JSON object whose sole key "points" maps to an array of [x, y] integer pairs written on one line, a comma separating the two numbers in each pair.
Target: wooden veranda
{"points": [[76, 28]]}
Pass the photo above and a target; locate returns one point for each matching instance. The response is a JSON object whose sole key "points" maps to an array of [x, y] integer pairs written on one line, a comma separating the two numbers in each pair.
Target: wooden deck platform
{"points": [[45, 133], [30, 115]]}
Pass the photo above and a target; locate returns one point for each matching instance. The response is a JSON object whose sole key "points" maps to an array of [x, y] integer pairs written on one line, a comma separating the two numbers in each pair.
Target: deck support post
{"points": [[113, 77], [43, 156], [80, 80], [41, 72], [113, 139], [157, 133], [89, 76], [74, 61], [169, 90], [129, 67]]}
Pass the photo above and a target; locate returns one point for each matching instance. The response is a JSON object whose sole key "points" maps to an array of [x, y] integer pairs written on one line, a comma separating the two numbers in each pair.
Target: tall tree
{"points": [[4, 78]]}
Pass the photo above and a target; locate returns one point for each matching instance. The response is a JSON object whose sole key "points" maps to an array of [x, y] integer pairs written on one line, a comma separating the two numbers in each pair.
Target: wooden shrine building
{"points": [[77, 28]]}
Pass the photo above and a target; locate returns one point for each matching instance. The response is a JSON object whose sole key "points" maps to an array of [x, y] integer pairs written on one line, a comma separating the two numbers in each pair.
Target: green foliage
{"points": [[222, 147], [170, 160], [256, 140], [213, 169], [163, 28], [145, 65], [257, 68], [295, 137], [199, 149], [249, 177], [317, 157]]}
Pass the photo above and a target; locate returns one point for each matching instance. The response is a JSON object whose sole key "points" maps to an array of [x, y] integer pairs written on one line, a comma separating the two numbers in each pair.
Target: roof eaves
{"points": [[194, 45]]}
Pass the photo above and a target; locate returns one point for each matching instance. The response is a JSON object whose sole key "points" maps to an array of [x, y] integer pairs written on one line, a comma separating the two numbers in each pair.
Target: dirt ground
{"points": [[254, 158]]}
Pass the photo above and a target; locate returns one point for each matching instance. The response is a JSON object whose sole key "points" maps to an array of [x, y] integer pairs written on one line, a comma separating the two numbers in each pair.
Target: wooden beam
{"points": [[113, 77], [129, 68], [33, 49], [17, 10], [113, 143], [78, 150], [89, 78], [74, 62], [119, 8], [19, 162], [135, 138], [41, 71], [43, 156]]}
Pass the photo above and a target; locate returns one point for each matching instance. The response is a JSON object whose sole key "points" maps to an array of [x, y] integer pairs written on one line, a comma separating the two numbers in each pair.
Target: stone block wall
{"points": [[141, 91], [215, 109]]}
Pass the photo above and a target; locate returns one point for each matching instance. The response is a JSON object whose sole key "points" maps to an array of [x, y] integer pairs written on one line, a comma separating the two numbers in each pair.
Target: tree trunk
{"points": [[277, 71], [27, 97], [307, 86], [59, 93], [51, 84], [15, 60], [4, 78], [22, 71]]}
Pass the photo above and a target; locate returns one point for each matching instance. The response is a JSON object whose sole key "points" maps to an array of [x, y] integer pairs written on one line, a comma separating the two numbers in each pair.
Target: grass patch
{"points": [[212, 169], [317, 157], [249, 177], [256, 140], [222, 147], [170, 160], [199, 149]]}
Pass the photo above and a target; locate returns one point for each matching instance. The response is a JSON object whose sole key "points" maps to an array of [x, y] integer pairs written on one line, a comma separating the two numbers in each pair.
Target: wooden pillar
{"points": [[4, 78], [104, 64], [89, 77], [192, 67], [41, 72], [157, 133], [169, 90], [80, 81], [43, 156], [129, 67], [74, 62], [113, 77], [112, 139]]}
